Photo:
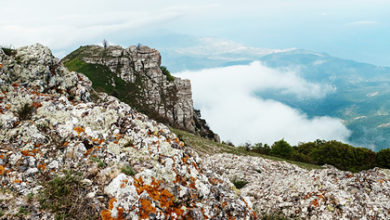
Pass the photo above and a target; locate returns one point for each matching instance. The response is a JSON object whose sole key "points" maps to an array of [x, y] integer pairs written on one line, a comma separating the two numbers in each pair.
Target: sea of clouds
{"points": [[227, 100]]}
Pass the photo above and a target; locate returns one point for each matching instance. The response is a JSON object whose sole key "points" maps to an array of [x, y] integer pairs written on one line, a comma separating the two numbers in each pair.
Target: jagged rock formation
{"points": [[162, 97], [275, 186], [121, 164]]}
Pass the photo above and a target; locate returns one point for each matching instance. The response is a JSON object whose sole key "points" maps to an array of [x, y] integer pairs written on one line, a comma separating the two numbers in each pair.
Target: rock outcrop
{"points": [[120, 163], [161, 96], [280, 187]]}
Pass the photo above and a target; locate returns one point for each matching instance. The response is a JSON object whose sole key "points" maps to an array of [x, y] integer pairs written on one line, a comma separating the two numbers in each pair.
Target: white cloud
{"points": [[226, 99], [61, 24]]}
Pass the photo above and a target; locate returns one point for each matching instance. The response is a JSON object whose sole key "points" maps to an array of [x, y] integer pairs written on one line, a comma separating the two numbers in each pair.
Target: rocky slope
{"points": [[64, 156], [161, 96], [280, 187]]}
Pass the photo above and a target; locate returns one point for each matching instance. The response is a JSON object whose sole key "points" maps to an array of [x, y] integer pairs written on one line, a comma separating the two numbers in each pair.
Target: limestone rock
{"points": [[280, 187], [159, 96]]}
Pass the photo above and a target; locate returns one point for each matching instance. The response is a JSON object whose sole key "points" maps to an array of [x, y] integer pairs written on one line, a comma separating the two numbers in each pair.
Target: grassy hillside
{"points": [[205, 147]]}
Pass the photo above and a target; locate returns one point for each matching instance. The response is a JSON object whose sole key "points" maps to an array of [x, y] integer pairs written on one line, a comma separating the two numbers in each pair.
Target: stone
{"points": [[161, 98]]}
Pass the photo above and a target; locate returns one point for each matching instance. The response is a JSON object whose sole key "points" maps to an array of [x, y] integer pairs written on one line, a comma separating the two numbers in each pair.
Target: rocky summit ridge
{"points": [[134, 75], [64, 156]]}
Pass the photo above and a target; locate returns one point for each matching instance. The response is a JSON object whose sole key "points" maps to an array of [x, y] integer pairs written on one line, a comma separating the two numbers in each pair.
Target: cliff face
{"points": [[163, 97], [67, 154]]}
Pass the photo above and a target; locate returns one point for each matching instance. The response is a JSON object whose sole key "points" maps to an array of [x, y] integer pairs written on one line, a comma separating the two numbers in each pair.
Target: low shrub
{"points": [[281, 148], [66, 196], [166, 72], [25, 112], [128, 170], [9, 51], [383, 158], [239, 183]]}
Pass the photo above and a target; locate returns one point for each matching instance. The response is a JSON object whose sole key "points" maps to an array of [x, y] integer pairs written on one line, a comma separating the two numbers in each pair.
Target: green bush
{"points": [[261, 149], [383, 158], [281, 148], [238, 183], [340, 155], [166, 72], [9, 51]]}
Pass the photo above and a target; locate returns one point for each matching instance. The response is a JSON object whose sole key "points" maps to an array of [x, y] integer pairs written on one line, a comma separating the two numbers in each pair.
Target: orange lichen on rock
{"points": [[2, 170], [89, 151], [106, 214], [17, 181], [79, 130], [36, 104], [42, 166], [185, 158], [26, 153], [111, 203], [162, 196], [146, 209], [315, 203], [35, 150]]}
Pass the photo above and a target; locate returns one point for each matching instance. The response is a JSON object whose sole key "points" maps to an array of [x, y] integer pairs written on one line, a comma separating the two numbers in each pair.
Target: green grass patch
{"points": [[66, 197], [100, 163], [239, 183], [205, 146], [128, 170]]}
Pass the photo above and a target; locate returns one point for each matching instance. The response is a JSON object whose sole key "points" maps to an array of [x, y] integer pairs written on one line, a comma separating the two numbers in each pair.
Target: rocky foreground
{"points": [[64, 156], [329, 193]]}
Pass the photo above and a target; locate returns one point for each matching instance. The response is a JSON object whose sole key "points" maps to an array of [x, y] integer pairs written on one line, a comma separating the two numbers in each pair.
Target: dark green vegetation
{"points": [[340, 155], [128, 170], [166, 72], [383, 158], [239, 183], [9, 51], [66, 197], [311, 155], [25, 112]]}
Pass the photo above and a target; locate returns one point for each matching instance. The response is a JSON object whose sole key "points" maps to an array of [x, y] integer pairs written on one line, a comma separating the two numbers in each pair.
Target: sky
{"points": [[351, 29]]}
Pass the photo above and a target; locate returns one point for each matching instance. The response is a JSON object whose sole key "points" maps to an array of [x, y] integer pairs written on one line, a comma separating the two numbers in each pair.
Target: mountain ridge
{"points": [[140, 81]]}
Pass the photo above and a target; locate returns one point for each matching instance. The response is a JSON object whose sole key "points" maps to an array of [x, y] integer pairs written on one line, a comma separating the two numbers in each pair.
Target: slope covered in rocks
{"points": [[280, 187], [64, 156]]}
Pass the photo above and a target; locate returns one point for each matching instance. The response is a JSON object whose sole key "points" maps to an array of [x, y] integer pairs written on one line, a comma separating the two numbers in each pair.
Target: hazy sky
{"points": [[354, 29]]}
